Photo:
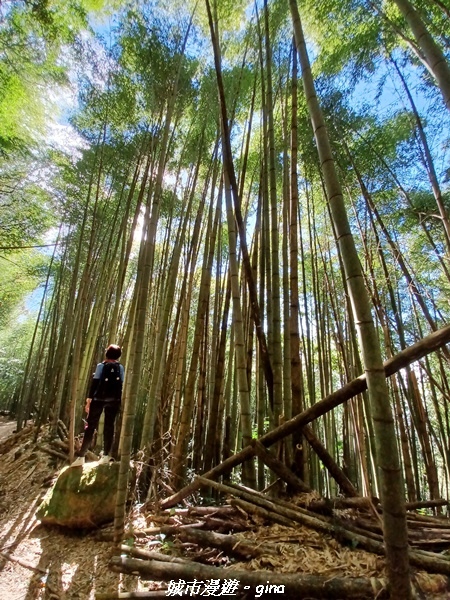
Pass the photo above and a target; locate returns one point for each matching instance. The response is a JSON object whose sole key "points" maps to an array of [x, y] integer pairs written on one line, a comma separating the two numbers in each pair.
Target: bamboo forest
{"points": [[252, 200]]}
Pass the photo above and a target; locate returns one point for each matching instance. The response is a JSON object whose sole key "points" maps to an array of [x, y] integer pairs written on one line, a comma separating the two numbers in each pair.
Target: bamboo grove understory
{"points": [[256, 237]]}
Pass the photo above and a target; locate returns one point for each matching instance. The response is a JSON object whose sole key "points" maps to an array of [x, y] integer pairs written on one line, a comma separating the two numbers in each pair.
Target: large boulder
{"points": [[82, 497]]}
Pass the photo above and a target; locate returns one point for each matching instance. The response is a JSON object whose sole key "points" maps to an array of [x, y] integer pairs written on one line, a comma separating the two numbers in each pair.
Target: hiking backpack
{"points": [[110, 383]]}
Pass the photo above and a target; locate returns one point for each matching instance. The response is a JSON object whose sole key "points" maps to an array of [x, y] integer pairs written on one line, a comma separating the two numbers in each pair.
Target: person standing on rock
{"points": [[105, 394]]}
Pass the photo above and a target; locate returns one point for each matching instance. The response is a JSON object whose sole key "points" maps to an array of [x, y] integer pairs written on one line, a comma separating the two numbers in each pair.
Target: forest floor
{"points": [[39, 562]]}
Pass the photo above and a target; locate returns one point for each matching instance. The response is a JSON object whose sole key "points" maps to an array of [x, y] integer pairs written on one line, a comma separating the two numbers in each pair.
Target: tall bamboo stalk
{"points": [[394, 514]]}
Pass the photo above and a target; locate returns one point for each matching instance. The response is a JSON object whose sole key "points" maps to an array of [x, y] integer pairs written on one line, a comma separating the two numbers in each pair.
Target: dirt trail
{"points": [[7, 428], [37, 562]]}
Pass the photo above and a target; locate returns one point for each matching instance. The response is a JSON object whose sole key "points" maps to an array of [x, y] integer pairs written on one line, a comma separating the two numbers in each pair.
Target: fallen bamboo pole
{"points": [[23, 563], [262, 584], [329, 504], [231, 544], [330, 464], [426, 504], [151, 555], [279, 468]]}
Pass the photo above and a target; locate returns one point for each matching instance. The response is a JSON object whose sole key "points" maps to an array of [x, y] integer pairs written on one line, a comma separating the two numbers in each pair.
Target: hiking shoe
{"points": [[106, 460], [78, 462]]}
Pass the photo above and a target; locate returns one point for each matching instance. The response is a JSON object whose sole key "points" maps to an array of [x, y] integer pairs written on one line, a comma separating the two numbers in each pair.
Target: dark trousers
{"points": [[111, 408]]}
